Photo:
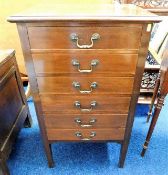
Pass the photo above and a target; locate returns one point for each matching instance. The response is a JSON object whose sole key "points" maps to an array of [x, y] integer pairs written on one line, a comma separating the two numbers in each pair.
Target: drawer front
{"points": [[60, 37], [84, 104], [108, 63], [10, 107], [85, 121], [85, 134], [85, 85]]}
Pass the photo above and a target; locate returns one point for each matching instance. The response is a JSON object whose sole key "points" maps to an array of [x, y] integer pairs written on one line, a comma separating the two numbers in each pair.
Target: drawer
{"points": [[85, 85], [84, 104], [85, 134], [49, 37], [108, 63], [85, 121]]}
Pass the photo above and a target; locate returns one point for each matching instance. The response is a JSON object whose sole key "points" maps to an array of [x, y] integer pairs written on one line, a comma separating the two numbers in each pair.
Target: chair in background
{"points": [[159, 7], [161, 90], [157, 51]]}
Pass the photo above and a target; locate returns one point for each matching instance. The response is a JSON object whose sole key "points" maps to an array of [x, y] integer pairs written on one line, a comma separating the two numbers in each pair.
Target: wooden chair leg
{"points": [[4, 168], [153, 123], [154, 97]]}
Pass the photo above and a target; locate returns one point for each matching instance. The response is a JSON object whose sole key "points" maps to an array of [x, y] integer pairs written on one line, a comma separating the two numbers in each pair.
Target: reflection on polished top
{"points": [[114, 12]]}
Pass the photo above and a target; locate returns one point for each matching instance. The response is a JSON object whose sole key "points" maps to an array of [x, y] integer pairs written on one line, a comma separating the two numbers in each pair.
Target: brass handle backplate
{"points": [[77, 85], [75, 38], [93, 104], [79, 135], [90, 124], [93, 63]]}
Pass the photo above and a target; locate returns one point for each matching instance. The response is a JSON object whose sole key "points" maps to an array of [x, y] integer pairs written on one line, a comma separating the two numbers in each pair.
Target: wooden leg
{"points": [[153, 123], [4, 168], [153, 97], [123, 152], [48, 150], [125, 142], [47, 145]]}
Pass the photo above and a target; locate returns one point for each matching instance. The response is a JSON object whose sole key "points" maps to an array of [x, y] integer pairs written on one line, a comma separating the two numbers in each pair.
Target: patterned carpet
{"points": [[28, 157]]}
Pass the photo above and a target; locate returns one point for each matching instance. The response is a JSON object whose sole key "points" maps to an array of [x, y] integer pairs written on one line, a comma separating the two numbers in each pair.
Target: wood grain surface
{"points": [[123, 63], [105, 85], [59, 121], [101, 134], [65, 103], [59, 37]]}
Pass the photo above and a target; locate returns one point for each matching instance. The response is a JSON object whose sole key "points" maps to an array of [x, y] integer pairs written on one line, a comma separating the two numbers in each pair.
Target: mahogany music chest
{"points": [[85, 65]]}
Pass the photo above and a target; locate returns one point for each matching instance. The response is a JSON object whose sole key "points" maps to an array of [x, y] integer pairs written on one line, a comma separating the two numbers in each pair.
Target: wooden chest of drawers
{"points": [[85, 67], [13, 106]]}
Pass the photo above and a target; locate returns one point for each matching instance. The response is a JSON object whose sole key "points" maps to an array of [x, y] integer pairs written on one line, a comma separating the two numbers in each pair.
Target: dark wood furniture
{"points": [[161, 90], [84, 69], [13, 106]]}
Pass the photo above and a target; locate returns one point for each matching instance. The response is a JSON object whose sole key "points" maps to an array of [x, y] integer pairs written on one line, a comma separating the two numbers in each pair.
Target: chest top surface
{"points": [[5, 54], [112, 12]]}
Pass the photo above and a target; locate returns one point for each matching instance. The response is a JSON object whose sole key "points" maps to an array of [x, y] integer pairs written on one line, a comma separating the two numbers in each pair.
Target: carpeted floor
{"points": [[28, 157]]}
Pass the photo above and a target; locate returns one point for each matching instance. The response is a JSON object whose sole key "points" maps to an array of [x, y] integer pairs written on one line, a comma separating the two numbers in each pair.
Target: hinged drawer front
{"points": [[64, 62], [85, 37], [84, 104], [86, 134], [84, 121], [85, 85]]}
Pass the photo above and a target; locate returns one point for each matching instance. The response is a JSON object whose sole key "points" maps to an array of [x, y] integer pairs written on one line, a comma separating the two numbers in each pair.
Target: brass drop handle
{"points": [[90, 124], [93, 63], [79, 134], [93, 104], [75, 38], [77, 85]]}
